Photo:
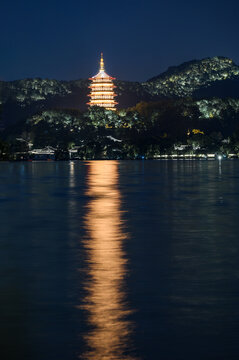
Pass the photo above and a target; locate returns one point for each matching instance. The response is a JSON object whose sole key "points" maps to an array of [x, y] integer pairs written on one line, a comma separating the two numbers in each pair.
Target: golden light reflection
{"points": [[105, 302]]}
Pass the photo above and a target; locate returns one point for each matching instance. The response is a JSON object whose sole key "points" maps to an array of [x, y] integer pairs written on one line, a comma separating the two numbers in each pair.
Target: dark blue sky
{"points": [[139, 38]]}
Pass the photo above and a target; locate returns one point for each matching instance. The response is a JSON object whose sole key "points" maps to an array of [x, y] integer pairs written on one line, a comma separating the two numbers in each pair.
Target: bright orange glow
{"points": [[101, 101], [105, 302], [102, 85], [102, 88]]}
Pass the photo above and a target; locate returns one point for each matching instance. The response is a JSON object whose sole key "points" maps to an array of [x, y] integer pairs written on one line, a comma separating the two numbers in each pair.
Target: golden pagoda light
{"points": [[102, 89]]}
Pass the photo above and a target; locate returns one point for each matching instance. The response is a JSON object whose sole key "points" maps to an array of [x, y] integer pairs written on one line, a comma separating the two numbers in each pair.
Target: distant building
{"points": [[47, 153], [102, 89]]}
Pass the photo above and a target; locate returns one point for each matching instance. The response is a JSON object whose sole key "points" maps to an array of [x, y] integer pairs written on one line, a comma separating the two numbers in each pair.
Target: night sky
{"points": [[140, 39]]}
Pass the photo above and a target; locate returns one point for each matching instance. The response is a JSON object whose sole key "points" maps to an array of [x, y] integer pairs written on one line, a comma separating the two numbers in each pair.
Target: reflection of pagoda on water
{"points": [[102, 89], [109, 330]]}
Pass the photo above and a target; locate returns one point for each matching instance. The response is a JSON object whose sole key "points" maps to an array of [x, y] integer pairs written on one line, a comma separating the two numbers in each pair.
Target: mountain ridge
{"points": [[183, 80], [205, 78]]}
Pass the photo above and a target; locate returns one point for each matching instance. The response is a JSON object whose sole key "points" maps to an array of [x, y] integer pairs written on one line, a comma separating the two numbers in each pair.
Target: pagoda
{"points": [[102, 89]]}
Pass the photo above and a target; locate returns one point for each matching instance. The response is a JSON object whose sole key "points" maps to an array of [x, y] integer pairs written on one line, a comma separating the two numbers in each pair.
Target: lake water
{"points": [[115, 260]]}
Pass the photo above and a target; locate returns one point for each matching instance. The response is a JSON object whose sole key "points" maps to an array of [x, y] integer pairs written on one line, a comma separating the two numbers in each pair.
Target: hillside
{"points": [[206, 78], [23, 98], [189, 78], [148, 129]]}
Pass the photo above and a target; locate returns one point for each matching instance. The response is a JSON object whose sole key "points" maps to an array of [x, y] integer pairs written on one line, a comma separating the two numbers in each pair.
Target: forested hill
{"points": [[21, 99], [219, 75], [207, 78]]}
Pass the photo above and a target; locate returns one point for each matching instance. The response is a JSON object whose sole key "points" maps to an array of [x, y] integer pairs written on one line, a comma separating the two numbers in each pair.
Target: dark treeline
{"points": [[147, 129]]}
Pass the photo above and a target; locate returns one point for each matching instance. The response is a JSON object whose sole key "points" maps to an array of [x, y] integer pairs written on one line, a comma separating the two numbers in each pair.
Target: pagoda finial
{"points": [[102, 66]]}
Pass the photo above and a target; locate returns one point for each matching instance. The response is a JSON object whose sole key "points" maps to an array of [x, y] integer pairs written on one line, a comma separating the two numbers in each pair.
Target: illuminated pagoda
{"points": [[102, 89]]}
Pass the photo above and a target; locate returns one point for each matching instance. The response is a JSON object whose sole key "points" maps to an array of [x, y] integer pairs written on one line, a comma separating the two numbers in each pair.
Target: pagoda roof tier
{"points": [[108, 91], [102, 80], [105, 106], [101, 83], [103, 92], [97, 96], [104, 87], [100, 98], [103, 101], [102, 75]]}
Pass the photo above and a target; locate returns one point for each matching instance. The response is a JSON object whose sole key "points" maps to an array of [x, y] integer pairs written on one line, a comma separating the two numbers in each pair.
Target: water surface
{"points": [[114, 260]]}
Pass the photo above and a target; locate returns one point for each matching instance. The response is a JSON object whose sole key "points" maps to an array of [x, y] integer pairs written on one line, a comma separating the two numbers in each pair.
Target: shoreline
{"points": [[160, 158]]}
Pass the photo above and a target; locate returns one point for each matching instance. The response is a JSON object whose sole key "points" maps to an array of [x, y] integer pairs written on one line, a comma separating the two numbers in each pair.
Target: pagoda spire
{"points": [[102, 66]]}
